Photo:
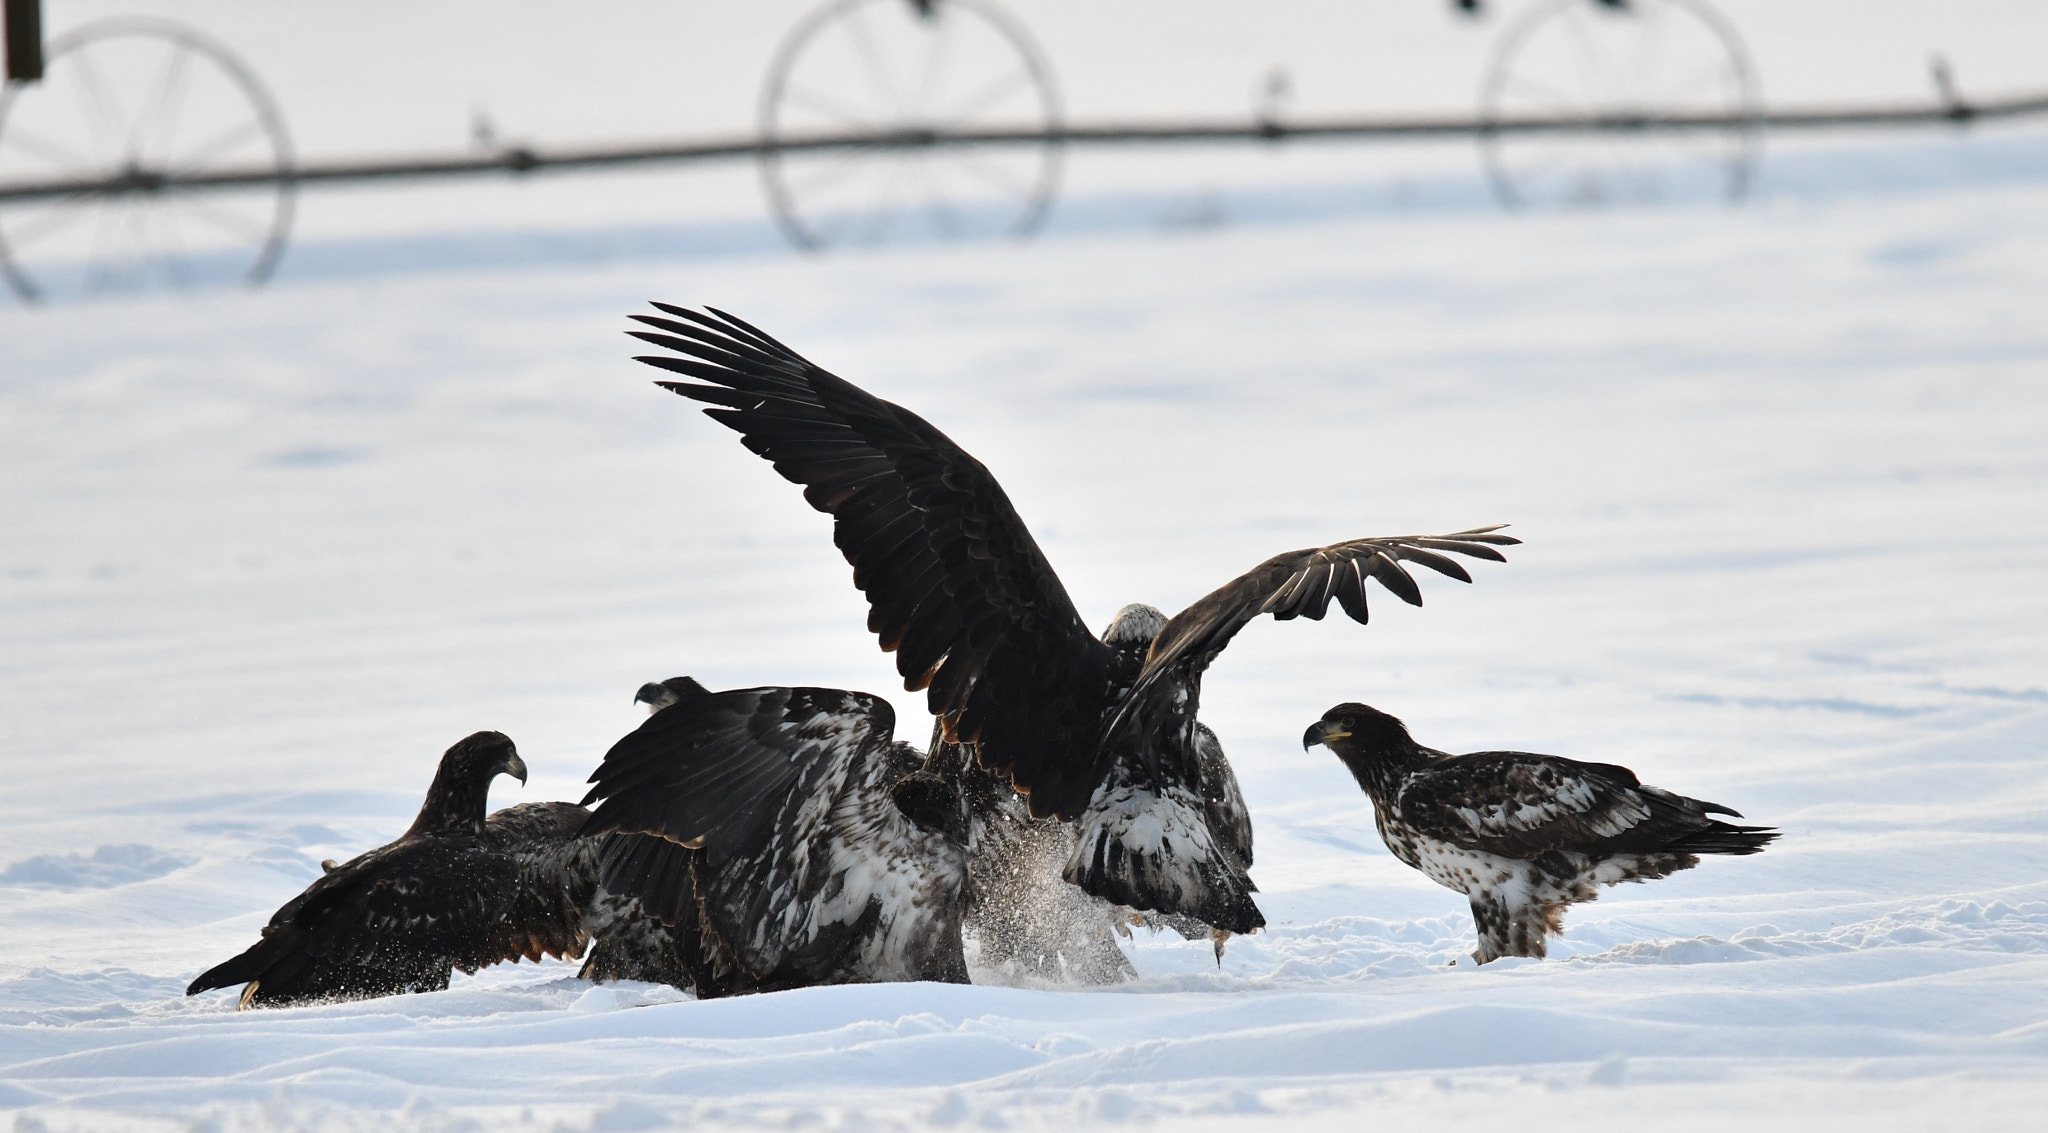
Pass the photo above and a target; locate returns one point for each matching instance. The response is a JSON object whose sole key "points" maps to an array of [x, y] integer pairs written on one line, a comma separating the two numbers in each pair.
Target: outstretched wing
{"points": [[1292, 585], [1519, 805], [556, 880], [784, 794], [394, 920], [956, 586]]}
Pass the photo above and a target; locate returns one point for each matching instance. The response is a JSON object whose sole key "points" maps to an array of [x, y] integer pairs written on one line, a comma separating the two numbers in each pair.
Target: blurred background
{"points": [[213, 85]]}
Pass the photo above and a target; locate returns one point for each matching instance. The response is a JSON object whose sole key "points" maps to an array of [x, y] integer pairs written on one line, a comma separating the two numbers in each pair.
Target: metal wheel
{"points": [[132, 101], [1620, 60], [887, 66]]}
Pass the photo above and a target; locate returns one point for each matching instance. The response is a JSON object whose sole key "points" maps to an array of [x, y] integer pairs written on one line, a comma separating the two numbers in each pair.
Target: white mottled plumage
{"points": [[1522, 836]]}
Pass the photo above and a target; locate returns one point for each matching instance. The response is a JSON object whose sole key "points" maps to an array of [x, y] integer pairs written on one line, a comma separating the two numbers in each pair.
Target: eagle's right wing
{"points": [[784, 795], [956, 586], [556, 888]]}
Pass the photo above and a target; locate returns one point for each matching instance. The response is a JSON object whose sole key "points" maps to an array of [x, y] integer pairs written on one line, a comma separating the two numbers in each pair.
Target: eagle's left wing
{"points": [[802, 855], [1296, 584], [1519, 805], [956, 586], [557, 880]]}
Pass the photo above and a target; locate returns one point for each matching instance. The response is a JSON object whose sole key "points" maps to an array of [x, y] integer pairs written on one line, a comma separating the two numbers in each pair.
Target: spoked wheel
{"points": [[897, 67], [1620, 61], [131, 102]]}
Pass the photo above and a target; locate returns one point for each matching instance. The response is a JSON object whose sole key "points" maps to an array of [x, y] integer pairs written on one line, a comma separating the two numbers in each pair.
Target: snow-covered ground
{"points": [[1781, 472]]}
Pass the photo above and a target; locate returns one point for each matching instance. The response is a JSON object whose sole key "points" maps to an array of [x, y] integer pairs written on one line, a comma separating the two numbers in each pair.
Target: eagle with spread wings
{"points": [[960, 592]]}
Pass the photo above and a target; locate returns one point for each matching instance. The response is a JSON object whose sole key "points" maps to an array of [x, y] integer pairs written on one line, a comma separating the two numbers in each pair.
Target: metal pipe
{"points": [[523, 159], [24, 40]]}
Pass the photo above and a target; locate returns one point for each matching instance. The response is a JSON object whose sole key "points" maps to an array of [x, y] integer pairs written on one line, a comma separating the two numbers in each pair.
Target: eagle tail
{"points": [[246, 968], [1726, 838]]}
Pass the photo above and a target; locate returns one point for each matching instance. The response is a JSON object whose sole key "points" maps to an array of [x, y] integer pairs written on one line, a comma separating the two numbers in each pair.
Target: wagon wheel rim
{"points": [[1642, 58], [193, 108], [833, 73]]}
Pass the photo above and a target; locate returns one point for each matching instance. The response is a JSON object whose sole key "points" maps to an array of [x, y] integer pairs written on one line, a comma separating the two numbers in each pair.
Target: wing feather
{"points": [[967, 601]]}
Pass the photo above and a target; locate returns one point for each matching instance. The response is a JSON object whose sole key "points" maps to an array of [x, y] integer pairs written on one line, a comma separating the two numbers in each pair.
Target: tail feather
{"points": [[1151, 851], [1726, 838], [249, 966]]}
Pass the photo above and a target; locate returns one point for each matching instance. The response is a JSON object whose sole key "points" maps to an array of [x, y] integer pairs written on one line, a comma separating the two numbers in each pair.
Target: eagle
{"points": [[458, 889], [1100, 737], [787, 834], [1523, 836]]}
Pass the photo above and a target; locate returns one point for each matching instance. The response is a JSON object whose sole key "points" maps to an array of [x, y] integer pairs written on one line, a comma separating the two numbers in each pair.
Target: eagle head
{"points": [[1357, 728], [484, 756], [659, 695], [1134, 625]]}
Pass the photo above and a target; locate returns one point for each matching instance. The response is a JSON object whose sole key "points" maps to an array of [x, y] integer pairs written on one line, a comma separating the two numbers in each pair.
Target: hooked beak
{"points": [[1322, 732], [516, 767], [655, 696]]}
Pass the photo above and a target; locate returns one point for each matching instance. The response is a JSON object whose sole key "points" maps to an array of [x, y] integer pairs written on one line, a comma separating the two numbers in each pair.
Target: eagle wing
{"points": [[1519, 805], [1230, 820], [556, 880], [783, 794], [956, 586], [394, 920], [1296, 584]]}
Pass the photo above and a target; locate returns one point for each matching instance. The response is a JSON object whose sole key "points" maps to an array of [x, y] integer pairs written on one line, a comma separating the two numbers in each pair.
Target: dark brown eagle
{"points": [[1521, 835], [957, 588], [786, 832], [456, 890]]}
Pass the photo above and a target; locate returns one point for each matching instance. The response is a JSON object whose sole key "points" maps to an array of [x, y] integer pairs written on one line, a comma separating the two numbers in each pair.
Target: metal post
{"points": [[24, 40]]}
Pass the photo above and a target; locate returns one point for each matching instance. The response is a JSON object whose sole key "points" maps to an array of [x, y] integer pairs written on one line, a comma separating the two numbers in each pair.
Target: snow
{"points": [[1779, 470]]}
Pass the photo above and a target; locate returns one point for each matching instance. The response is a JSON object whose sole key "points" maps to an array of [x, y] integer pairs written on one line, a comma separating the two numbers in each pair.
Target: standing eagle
{"points": [[787, 831], [959, 591], [1522, 836], [456, 890]]}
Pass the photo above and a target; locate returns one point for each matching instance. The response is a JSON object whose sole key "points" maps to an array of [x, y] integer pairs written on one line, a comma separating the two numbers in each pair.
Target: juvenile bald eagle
{"points": [[961, 593], [1522, 836], [456, 890], [790, 832]]}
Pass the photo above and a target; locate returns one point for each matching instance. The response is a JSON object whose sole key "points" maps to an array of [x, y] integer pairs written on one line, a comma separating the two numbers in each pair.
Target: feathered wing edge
{"points": [[1523, 805], [783, 796], [557, 881], [956, 586], [1301, 584]]}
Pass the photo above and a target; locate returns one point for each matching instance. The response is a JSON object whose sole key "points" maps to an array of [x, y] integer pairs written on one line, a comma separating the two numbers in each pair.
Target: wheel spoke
{"points": [[172, 111], [1703, 77], [63, 213], [174, 254], [1591, 66], [97, 106], [938, 51], [1543, 93], [994, 175], [886, 211], [983, 97], [154, 103], [44, 147], [871, 60], [110, 219], [817, 180], [1651, 50], [249, 229], [221, 143], [936, 206], [818, 102]]}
